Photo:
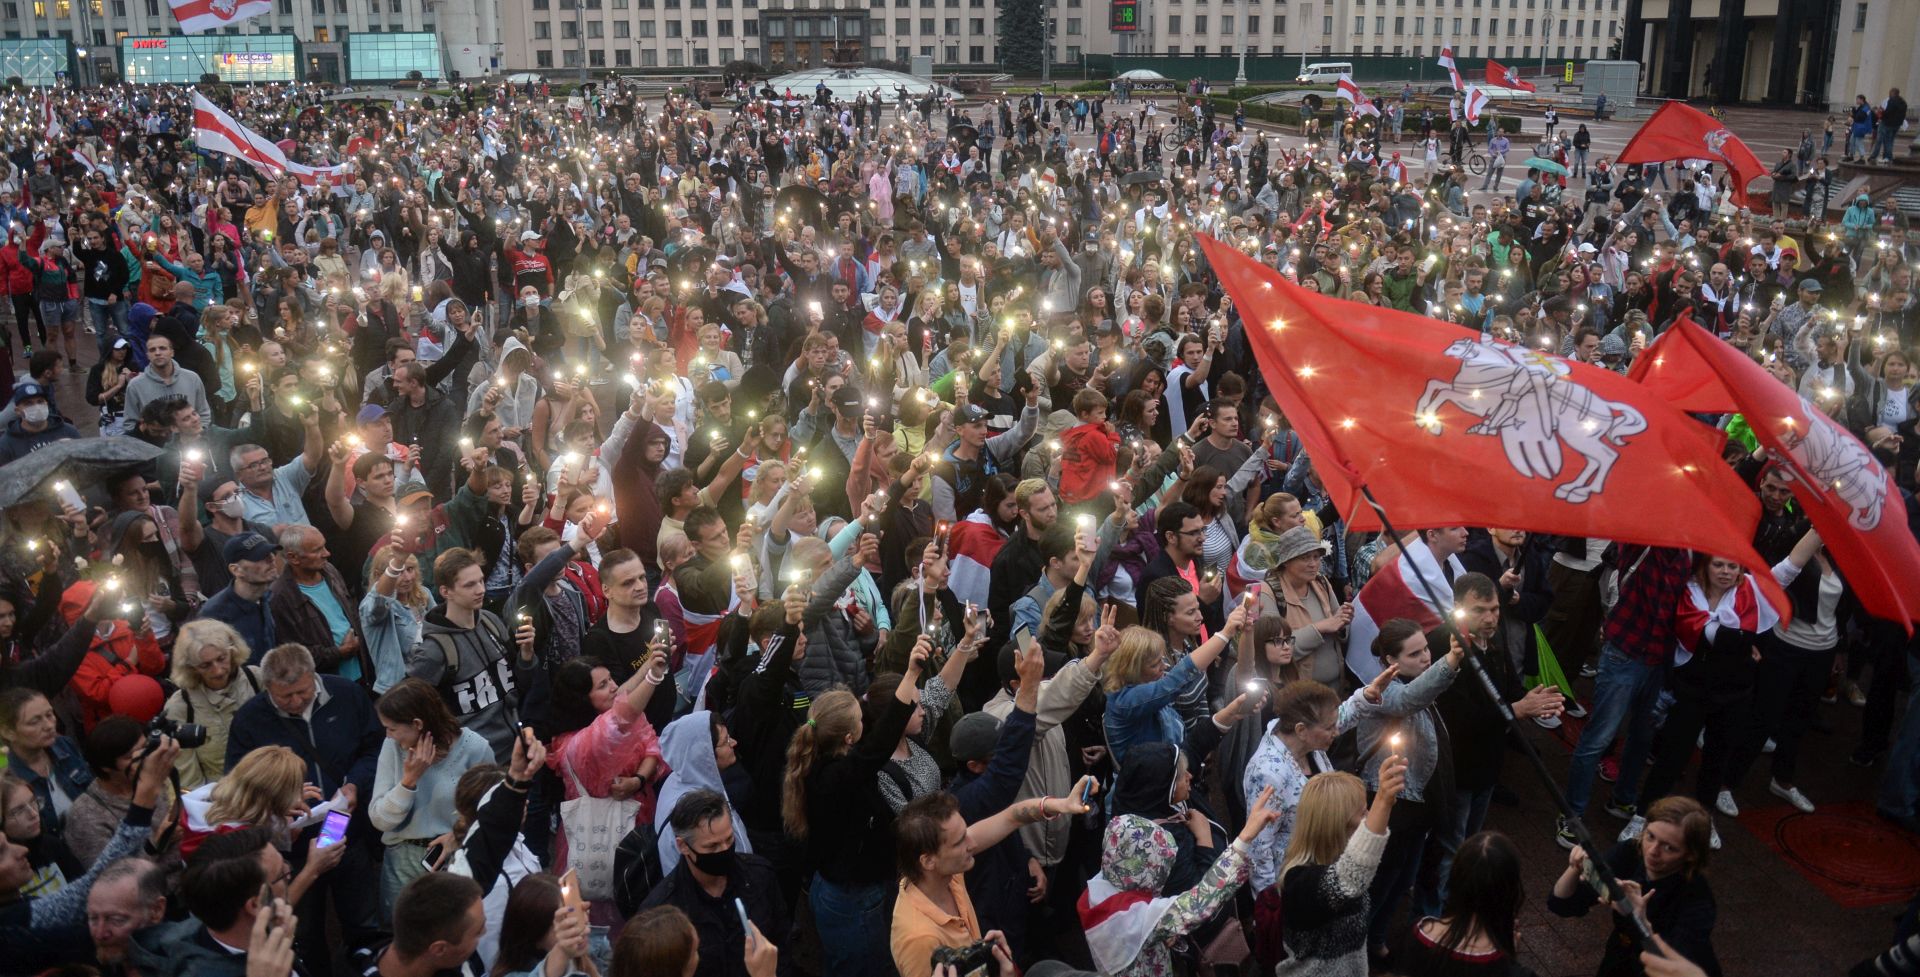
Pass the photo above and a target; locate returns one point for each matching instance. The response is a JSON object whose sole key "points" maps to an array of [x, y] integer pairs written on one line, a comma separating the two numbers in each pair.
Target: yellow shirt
{"points": [[919, 926], [1802, 262]]}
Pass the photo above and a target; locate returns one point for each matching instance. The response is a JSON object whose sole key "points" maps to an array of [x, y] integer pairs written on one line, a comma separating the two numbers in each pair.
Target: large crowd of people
{"points": [[849, 533]]}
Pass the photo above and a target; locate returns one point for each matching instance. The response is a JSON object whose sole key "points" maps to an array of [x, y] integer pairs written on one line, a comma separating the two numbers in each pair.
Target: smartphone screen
{"points": [[334, 829], [745, 927], [432, 859]]}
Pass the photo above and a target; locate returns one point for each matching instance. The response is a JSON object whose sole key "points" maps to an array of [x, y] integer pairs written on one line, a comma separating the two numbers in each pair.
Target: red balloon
{"points": [[137, 697]]}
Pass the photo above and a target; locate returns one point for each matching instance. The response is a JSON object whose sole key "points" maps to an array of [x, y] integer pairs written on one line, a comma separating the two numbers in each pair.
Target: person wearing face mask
{"points": [[713, 871], [34, 426]]}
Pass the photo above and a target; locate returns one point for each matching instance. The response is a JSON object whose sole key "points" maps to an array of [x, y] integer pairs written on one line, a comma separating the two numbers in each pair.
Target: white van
{"points": [[1324, 71]]}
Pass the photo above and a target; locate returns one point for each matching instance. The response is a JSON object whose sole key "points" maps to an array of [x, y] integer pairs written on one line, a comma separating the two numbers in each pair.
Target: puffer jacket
{"points": [[833, 656]]}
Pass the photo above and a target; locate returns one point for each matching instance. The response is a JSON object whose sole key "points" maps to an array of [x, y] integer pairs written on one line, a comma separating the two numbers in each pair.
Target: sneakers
{"points": [[1609, 769], [1856, 694], [1791, 795], [1725, 805], [1547, 722], [1624, 812], [1713, 836], [1589, 670], [1635, 825], [1563, 833], [1575, 709]]}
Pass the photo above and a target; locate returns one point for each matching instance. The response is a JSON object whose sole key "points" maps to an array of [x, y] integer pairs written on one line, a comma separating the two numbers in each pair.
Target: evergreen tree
{"points": [[1019, 38]]}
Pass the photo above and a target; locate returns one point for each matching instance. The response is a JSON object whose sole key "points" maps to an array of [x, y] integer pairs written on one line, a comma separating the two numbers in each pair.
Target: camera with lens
{"points": [[966, 961], [190, 736]]}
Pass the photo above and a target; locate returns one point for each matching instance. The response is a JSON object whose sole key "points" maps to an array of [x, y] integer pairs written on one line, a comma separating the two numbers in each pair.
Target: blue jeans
{"points": [[1900, 784], [853, 926], [1855, 143], [1626, 687], [109, 321], [1469, 815], [1883, 142]]}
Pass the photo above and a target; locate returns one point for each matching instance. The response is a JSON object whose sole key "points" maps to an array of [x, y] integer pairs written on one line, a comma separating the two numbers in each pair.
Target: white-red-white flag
{"points": [[1474, 103], [215, 130], [1446, 61], [196, 16], [1362, 105]]}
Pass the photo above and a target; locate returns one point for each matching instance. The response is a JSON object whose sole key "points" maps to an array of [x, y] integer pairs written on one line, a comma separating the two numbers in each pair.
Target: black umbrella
{"points": [[1138, 177], [1313, 101], [963, 134], [79, 461], [800, 204], [720, 172]]}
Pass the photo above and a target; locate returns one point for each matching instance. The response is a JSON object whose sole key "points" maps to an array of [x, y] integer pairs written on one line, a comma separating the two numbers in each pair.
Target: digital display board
{"points": [[1126, 16]]}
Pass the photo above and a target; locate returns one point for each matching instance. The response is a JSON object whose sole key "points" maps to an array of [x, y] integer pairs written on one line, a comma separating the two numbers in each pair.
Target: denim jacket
{"points": [[69, 769]]}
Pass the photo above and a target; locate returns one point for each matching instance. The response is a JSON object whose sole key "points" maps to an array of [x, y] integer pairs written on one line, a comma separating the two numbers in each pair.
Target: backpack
{"points": [[636, 868], [489, 623]]}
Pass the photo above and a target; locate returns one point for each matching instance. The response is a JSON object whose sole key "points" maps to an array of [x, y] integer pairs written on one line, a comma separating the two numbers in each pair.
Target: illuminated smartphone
{"points": [[334, 829]]}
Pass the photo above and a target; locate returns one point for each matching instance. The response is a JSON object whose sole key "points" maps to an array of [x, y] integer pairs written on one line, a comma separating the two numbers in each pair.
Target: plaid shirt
{"points": [[1641, 625]]}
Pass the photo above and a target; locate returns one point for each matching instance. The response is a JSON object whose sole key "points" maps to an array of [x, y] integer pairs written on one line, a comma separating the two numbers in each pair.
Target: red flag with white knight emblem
{"points": [[1448, 427], [1501, 76], [1680, 131], [1845, 490]]}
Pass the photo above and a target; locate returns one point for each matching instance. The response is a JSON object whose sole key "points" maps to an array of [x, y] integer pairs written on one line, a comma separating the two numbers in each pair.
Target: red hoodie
{"points": [[1088, 455], [108, 658]]}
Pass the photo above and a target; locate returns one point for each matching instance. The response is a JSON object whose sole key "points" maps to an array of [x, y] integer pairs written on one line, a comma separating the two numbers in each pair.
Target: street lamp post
{"points": [[1240, 75], [1046, 42], [81, 53]]}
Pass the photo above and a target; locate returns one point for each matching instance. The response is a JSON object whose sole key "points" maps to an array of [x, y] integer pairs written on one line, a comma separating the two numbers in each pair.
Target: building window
{"points": [[879, 27], [750, 28], [1226, 24], [700, 55], [596, 58], [622, 28], [1359, 25], [596, 29], [1253, 23], [569, 30], [952, 25], [699, 28], [726, 28], [1200, 23], [543, 59], [676, 58], [926, 25], [1280, 24], [649, 58], [622, 58], [673, 28], [542, 30], [976, 54], [1173, 24], [1326, 24], [1073, 29]]}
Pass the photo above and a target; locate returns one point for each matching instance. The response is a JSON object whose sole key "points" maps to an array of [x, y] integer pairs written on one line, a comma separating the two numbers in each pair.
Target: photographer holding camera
{"points": [[934, 925]]}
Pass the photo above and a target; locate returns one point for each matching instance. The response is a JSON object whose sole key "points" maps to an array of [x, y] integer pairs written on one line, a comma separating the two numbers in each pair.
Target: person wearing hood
{"points": [[34, 426], [1130, 927], [640, 461], [701, 756], [1155, 782], [513, 391]]}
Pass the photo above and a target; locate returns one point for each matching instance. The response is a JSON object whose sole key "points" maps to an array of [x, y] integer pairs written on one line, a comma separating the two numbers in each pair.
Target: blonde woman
{"points": [[901, 360], [1336, 846], [210, 668], [391, 614], [265, 789]]}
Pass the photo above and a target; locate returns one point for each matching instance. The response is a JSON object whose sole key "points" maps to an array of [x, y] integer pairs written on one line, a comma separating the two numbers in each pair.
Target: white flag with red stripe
{"points": [[972, 544], [207, 15], [1400, 589], [1472, 104], [52, 122], [215, 130], [1362, 105], [1446, 61], [1119, 923]]}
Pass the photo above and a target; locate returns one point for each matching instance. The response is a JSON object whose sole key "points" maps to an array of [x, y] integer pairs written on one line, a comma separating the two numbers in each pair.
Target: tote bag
{"points": [[595, 827]]}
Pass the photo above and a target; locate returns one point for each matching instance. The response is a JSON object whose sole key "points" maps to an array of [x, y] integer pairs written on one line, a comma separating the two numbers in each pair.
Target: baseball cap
{"points": [[252, 547], [846, 397], [1812, 285], [29, 390], [529, 235], [413, 491], [1586, 247], [974, 737], [970, 414], [370, 413]]}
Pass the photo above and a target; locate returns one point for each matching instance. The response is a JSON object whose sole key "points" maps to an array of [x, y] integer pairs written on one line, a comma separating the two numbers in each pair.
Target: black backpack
{"points": [[636, 868]]}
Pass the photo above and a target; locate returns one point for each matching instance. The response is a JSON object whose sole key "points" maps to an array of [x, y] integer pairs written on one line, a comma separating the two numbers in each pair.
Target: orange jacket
{"points": [[109, 658]]}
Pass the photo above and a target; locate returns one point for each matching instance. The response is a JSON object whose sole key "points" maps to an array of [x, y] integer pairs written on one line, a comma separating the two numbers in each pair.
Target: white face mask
{"points": [[232, 506], [34, 414]]}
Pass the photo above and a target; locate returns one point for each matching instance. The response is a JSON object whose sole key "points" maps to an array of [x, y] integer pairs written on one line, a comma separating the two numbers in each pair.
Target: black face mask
{"points": [[155, 551], [714, 863]]}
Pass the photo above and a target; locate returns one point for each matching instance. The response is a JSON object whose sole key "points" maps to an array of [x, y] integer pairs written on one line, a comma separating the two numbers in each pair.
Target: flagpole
{"points": [[1595, 858]]}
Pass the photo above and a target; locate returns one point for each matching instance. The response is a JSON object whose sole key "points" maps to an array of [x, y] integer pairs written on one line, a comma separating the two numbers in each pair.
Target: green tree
{"points": [[1019, 39]]}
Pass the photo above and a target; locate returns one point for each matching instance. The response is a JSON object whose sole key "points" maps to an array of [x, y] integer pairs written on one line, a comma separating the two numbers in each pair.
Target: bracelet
{"points": [[517, 786], [1044, 816]]}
